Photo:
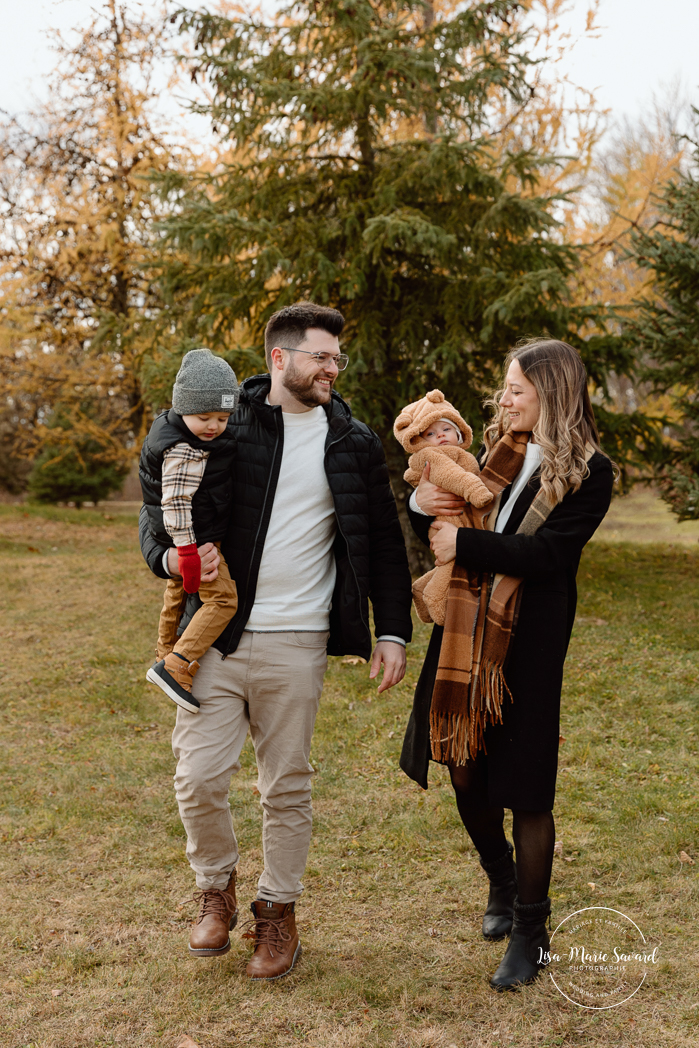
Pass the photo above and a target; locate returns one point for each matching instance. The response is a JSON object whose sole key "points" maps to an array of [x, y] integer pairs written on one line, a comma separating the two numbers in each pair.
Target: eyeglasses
{"points": [[340, 360]]}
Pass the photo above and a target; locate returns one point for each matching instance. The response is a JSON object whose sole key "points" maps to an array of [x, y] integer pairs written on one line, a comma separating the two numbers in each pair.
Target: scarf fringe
{"points": [[449, 734], [456, 738]]}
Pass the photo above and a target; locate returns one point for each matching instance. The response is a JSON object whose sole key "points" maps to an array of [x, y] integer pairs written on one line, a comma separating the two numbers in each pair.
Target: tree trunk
{"points": [[430, 111], [419, 557]]}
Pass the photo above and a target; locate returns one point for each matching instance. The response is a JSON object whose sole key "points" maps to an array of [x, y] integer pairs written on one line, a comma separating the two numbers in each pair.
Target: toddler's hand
{"points": [[189, 565]]}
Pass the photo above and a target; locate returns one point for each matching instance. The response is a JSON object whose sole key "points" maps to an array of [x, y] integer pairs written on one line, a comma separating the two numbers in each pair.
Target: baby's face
{"points": [[208, 425], [440, 433]]}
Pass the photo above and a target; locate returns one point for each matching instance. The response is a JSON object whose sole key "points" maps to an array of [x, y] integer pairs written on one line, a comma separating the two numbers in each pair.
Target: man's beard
{"points": [[303, 388]]}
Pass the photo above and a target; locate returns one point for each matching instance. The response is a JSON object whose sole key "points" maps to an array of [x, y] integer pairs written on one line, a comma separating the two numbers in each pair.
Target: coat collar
{"points": [[254, 391], [527, 496], [176, 420], [524, 501]]}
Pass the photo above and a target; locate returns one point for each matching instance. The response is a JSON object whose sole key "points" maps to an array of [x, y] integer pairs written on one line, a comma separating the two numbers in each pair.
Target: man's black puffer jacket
{"points": [[212, 500], [369, 548]]}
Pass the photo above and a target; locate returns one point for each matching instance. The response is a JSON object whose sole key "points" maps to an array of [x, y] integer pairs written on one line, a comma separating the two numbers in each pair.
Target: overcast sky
{"points": [[643, 45]]}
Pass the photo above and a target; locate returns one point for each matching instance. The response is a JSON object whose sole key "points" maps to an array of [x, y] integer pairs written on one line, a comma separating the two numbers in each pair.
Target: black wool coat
{"points": [[521, 759], [370, 554]]}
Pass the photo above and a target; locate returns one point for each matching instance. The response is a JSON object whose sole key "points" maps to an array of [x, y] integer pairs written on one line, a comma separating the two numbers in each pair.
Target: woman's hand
{"points": [[435, 501], [443, 542]]}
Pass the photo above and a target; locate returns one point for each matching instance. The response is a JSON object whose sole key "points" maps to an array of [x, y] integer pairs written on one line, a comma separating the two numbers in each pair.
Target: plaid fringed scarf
{"points": [[470, 686]]}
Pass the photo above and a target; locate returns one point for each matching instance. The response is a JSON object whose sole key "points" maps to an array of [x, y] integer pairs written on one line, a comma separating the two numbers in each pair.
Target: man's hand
{"points": [[210, 561], [392, 656], [443, 542], [435, 501]]}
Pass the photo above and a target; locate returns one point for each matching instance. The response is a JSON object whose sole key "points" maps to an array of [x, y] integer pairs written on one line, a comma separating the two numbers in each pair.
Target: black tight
{"points": [[483, 823], [533, 832]]}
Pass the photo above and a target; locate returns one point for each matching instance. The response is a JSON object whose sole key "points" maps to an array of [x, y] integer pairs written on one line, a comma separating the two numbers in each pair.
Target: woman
{"points": [[488, 698]]}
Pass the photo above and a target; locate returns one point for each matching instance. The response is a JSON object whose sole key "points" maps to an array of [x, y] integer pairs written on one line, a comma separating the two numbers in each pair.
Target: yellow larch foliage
{"points": [[76, 288]]}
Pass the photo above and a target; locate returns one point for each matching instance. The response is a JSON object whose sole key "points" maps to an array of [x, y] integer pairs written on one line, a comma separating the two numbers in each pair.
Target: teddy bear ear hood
{"points": [[415, 418]]}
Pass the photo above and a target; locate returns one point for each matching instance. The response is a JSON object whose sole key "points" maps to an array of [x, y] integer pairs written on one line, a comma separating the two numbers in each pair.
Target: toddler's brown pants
{"points": [[219, 605]]}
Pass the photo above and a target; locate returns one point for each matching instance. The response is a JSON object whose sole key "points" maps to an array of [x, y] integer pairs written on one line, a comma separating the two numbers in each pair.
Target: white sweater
{"points": [[297, 571], [532, 461]]}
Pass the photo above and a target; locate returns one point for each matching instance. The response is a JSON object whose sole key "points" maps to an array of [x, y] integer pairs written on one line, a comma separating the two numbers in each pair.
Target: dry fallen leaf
{"points": [[686, 858], [561, 739], [256, 791], [569, 858], [558, 849], [354, 660], [187, 1042], [56, 993], [591, 884]]}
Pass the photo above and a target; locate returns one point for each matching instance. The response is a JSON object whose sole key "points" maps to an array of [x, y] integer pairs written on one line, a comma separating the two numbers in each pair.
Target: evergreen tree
{"points": [[665, 327], [75, 289], [367, 172], [79, 471]]}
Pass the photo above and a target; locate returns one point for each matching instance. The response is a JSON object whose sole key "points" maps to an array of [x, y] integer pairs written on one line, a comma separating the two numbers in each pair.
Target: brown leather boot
{"points": [[174, 675], [218, 913], [181, 670], [277, 946]]}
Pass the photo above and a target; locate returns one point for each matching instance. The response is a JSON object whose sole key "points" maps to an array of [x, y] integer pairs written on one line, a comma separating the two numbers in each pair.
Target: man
{"points": [[313, 533]]}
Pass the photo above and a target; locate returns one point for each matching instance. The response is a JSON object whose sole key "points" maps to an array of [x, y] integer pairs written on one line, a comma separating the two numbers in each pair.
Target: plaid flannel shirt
{"points": [[183, 469]]}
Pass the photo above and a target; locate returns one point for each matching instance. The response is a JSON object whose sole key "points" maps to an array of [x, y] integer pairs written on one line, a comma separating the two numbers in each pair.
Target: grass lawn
{"points": [[95, 886], [641, 516]]}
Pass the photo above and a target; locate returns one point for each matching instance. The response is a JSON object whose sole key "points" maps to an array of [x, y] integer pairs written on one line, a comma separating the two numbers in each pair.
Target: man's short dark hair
{"points": [[288, 326]]}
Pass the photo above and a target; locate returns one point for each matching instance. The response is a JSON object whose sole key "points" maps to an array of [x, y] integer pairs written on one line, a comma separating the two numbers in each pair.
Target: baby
{"points": [[185, 473], [433, 431]]}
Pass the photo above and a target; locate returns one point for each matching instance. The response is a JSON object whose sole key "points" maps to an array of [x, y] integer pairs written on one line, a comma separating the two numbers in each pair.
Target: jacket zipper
{"points": [[339, 526], [259, 528]]}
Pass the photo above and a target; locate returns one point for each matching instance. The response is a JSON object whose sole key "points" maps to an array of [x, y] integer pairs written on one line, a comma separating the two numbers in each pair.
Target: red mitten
{"points": [[189, 566]]}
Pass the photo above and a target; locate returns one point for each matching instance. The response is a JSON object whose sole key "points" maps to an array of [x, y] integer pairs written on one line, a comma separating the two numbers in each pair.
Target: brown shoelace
{"points": [[212, 900], [268, 931]]}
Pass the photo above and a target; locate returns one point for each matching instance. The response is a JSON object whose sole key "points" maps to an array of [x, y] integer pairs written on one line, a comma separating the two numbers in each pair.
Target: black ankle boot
{"points": [[502, 874], [527, 950]]}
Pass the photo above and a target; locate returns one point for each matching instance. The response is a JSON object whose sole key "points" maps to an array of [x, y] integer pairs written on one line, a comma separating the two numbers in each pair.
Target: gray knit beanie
{"points": [[204, 383]]}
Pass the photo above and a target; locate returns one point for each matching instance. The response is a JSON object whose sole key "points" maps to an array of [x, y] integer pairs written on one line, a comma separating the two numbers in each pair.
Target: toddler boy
{"points": [[185, 473]]}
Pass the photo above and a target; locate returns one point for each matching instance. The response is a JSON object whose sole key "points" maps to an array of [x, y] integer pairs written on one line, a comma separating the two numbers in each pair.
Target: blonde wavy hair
{"points": [[566, 423]]}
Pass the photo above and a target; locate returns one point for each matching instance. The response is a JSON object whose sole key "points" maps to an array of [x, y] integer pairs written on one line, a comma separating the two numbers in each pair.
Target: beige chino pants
{"points": [[270, 685]]}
